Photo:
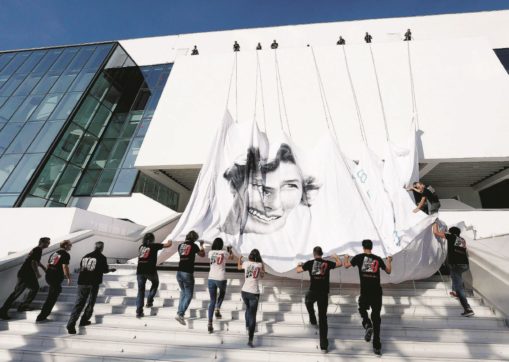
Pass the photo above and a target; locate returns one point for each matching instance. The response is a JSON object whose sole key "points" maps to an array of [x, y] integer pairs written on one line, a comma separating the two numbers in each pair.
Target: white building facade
{"points": [[120, 129]]}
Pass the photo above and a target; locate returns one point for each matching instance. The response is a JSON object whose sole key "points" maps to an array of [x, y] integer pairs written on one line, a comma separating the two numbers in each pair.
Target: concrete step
{"points": [[236, 322], [142, 348], [68, 295], [348, 330], [276, 314]]}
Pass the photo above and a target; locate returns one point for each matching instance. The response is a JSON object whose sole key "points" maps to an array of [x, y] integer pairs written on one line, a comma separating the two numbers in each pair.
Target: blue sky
{"points": [[31, 23]]}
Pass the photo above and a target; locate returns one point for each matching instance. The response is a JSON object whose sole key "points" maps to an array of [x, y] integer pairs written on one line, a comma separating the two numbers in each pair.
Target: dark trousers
{"points": [[186, 284], [457, 283], [322, 300], [23, 283], [85, 292], [373, 301], [142, 281], [215, 300], [251, 302], [55, 288]]}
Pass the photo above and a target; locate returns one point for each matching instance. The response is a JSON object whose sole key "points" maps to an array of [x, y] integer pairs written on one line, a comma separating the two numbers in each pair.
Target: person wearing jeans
{"points": [[28, 276], [147, 270], [217, 279], [319, 274], [185, 274], [92, 267], [457, 260], [253, 271]]}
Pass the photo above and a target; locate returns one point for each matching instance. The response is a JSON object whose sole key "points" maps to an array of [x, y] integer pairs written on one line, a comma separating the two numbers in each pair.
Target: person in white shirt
{"points": [[253, 271], [217, 278]]}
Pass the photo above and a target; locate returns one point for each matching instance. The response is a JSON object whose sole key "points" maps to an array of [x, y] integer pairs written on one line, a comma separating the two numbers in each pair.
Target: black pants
{"points": [[251, 302], [55, 288], [28, 282], [373, 301], [84, 292], [322, 300]]}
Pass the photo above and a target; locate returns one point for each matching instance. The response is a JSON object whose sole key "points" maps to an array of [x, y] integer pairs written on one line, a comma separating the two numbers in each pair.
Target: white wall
{"points": [[461, 90], [138, 208], [22, 227], [492, 25], [466, 195]]}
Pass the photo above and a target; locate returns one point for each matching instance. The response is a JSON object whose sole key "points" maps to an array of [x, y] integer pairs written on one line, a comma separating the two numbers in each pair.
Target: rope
{"points": [[412, 87], [379, 92], [326, 109], [259, 74], [230, 84], [356, 101], [236, 90], [281, 101]]}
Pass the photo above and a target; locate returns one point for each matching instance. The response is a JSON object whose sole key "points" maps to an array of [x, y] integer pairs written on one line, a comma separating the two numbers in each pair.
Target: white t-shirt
{"points": [[252, 273], [217, 264]]}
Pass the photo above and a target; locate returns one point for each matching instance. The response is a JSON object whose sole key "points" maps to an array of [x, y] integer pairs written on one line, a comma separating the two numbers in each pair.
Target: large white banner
{"points": [[264, 192]]}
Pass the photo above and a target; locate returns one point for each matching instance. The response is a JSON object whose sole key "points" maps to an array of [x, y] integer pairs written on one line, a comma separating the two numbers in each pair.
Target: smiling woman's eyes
{"points": [[290, 186]]}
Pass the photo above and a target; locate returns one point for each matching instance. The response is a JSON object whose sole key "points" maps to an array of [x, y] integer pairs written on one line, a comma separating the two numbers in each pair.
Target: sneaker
{"points": [[4, 316], [210, 328], [468, 313], [149, 304], [140, 315], [324, 350], [85, 323], [453, 294], [218, 314], [40, 320], [71, 330], [377, 351], [250, 344], [369, 333], [180, 319]]}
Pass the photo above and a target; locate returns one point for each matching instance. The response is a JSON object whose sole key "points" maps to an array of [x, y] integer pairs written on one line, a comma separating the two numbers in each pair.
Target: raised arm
{"points": [[421, 204], [230, 253], [167, 244], [239, 263], [299, 268], [388, 265], [346, 261], [437, 232], [202, 250], [337, 260]]}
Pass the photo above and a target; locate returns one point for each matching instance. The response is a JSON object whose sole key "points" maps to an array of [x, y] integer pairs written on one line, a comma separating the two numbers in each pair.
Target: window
{"points": [[7, 164], [22, 173], [24, 137]]}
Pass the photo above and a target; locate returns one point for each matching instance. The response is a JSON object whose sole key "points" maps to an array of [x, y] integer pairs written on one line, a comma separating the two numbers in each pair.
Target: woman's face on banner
{"points": [[271, 200]]}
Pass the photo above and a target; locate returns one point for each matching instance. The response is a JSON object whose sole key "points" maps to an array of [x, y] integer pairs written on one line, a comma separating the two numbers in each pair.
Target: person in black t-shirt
{"points": [[369, 266], [457, 260], [27, 279], [58, 267], [319, 273], [146, 270], [92, 267], [423, 195], [187, 252]]}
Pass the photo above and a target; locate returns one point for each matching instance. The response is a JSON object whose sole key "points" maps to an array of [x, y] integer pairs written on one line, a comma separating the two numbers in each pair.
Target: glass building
{"points": [[72, 120]]}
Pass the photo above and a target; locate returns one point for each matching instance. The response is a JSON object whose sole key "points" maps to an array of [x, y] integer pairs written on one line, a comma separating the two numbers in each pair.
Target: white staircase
{"points": [[419, 323]]}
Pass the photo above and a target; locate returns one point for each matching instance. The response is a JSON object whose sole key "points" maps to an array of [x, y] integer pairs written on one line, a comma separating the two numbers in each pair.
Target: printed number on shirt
{"points": [[217, 259], [319, 268], [185, 249], [54, 259], [144, 252], [370, 265], [252, 272], [88, 264]]}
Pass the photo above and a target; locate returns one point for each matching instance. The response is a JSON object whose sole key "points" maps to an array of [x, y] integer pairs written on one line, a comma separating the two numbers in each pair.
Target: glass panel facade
{"points": [[111, 169], [113, 90], [157, 191], [38, 91]]}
